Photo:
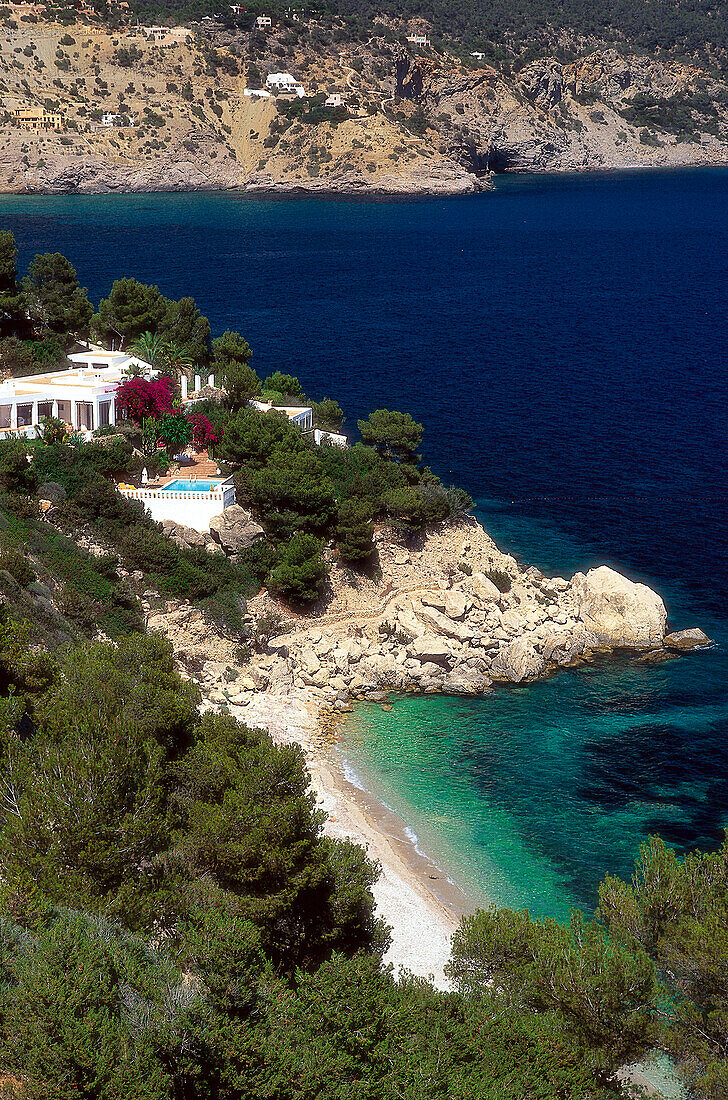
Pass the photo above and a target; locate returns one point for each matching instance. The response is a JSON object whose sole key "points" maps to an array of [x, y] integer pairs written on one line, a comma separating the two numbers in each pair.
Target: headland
{"points": [[450, 613]]}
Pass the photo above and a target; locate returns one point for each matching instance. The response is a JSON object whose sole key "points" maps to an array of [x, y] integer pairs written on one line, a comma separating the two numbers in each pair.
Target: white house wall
{"points": [[190, 509]]}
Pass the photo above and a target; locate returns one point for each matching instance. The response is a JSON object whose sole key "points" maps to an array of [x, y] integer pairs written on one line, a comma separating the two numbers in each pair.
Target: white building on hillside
{"points": [[300, 415], [421, 41], [110, 120], [84, 396], [336, 99], [264, 22], [284, 82]]}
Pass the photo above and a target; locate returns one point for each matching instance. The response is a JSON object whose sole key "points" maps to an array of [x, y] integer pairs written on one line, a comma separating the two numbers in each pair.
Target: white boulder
{"points": [[429, 648], [518, 661], [622, 614]]}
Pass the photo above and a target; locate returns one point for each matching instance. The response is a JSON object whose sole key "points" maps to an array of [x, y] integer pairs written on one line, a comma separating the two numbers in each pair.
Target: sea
{"points": [[563, 341]]}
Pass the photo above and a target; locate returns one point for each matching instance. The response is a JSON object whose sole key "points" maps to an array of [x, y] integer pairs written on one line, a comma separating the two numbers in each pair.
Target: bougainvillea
{"points": [[203, 433], [136, 398]]}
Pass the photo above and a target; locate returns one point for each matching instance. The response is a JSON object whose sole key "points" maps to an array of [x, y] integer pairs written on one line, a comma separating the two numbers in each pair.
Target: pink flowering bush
{"points": [[137, 398], [203, 433]]}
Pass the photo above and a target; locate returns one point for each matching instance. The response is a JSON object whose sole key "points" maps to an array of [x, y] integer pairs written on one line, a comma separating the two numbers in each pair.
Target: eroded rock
{"points": [[235, 529], [622, 614], [684, 640]]}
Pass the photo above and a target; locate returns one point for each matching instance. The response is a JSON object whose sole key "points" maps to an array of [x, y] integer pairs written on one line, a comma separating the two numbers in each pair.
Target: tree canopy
{"points": [[56, 302]]}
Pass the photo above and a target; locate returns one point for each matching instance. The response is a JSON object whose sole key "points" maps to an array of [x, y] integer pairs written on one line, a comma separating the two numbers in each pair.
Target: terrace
{"points": [[191, 494]]}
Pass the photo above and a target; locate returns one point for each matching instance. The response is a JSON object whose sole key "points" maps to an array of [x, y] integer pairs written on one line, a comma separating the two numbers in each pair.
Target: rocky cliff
{"points": [[414, 121], [450, 614]]}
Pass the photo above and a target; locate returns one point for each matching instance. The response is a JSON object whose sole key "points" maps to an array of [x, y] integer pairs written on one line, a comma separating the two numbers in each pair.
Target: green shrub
{"points": [[300, 572], [500, 579], [355, 531], [15, 562], [17, 474]]}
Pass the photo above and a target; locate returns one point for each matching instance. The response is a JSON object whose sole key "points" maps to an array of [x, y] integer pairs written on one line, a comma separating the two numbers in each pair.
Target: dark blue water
{"points": [[563, 342]]}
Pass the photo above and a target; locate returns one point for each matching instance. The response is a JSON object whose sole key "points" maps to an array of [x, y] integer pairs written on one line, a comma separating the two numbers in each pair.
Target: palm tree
{"points": [[176, 359], [151, 348]]}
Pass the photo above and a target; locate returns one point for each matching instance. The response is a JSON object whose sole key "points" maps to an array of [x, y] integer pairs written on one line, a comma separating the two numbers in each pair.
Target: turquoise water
{"points": [[187, 485], [562, 340], [527, 797], [519, 796]]}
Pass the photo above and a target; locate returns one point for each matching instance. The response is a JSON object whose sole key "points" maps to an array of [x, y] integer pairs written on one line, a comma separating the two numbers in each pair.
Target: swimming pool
{"points": [[187, 485]]}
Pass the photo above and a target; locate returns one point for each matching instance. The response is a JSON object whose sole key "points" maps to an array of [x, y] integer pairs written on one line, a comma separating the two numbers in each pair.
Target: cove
{"points": [[562, 341]]}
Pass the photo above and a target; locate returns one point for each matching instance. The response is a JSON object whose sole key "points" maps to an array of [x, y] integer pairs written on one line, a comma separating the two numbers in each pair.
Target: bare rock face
{"points": [[684, 640], [483, 587], [620, 613], [518, 661], [543, 83], [235, 529], [429, 648], [186, 538]]}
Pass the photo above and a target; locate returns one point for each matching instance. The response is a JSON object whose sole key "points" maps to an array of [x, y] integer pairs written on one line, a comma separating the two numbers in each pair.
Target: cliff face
{"points": [[416, 123], [603, 111]]}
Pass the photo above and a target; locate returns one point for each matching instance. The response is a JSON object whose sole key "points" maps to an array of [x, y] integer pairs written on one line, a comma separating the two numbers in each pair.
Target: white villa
{"points": [[83, 396], [284, 82], [336, 99], [110, 120], [421, 41], [263, 22], [302, 417]]}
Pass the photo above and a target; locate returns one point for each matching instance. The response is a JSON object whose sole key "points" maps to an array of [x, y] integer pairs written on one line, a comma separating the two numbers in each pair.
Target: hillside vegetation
{"points": [[174, 924], [545, 92]]}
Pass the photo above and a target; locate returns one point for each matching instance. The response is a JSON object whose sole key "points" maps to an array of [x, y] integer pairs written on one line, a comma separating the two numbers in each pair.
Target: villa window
{"points": [[5, 411], [25, 416], [104, 413], [84, 416], [45, 408]]}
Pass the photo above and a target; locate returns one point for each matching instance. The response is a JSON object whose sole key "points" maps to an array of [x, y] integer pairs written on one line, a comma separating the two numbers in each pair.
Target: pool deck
{"points": [[193, 507], [200, 468]]}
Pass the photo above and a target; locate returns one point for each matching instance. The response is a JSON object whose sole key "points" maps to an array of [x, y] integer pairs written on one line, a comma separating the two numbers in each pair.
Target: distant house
{"points": [[237, 9], [336, 99], [258, 93], [37, 118], [478, 55], [285, 83], [110, 120], [264, 22], [421, 41]]}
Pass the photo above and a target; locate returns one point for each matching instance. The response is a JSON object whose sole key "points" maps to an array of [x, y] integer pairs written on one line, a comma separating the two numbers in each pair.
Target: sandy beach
{"points": [[418, 902]]}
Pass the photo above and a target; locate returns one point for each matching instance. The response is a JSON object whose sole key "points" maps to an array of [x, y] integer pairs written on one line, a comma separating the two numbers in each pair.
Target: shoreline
{"points": [[484, 184], [434, 622], [413, 894]]}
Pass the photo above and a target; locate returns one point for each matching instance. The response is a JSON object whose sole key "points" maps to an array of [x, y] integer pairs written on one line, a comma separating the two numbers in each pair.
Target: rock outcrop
{"points": [[436, 621], [682, 641], [235, 530], [620, 613]]}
